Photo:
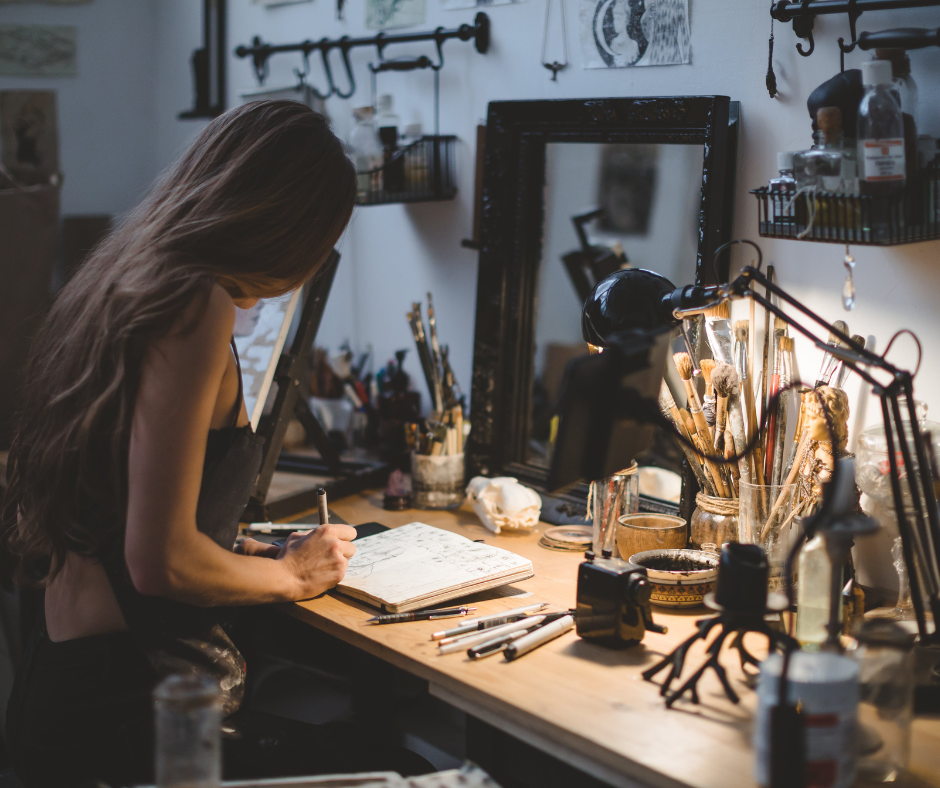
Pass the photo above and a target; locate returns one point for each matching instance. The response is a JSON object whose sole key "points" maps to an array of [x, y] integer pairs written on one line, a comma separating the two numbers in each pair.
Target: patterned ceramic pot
{"points": [[680, 578]]}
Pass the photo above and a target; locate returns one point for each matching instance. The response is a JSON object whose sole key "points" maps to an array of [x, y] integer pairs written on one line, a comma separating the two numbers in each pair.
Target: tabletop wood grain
{"points": [[583, 703]]}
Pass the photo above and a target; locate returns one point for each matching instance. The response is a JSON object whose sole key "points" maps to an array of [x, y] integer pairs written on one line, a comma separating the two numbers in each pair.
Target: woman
{"points": [[133, 458]]}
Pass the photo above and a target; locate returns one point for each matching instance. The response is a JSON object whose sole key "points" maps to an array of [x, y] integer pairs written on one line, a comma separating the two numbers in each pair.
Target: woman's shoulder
{"points": [[206, 324]]}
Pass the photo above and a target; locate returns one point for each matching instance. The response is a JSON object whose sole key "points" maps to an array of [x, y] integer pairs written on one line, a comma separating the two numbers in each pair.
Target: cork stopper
{"points": [[829, 121], [900, 62]]}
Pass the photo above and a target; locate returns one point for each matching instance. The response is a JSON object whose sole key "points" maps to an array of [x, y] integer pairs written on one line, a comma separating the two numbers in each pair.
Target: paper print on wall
{"points": [[44, 2], [38, 50], [271, 3], [382, 14], [29, 139], [454, 5], [624, 33]]}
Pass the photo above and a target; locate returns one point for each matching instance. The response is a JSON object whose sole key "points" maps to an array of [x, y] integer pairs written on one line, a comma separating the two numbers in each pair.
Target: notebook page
{"points": [[417, 559]]}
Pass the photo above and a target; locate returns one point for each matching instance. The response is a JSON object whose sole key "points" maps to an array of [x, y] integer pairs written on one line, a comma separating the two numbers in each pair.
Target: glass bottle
{"points": [[385, 114], [881, 155], [885, 671], [782, 191], [820, 167], [812, 594], [905, 90], [188, 721], [366, 151]]}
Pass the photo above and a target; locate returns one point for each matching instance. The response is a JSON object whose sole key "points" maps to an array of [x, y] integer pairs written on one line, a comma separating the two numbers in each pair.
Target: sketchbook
{"points": [[417, 566]]}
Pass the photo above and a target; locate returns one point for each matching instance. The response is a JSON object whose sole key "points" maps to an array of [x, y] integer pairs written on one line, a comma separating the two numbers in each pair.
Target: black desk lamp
{"points": [[608, 402]]}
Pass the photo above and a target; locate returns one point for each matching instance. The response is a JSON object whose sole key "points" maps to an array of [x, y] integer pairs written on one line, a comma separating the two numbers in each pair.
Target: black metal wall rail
{"points": [[260, 52]]}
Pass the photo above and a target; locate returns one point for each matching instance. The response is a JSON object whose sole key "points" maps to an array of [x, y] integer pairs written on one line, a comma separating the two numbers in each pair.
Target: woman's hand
{"points": [[317, 559], [251, 546]]}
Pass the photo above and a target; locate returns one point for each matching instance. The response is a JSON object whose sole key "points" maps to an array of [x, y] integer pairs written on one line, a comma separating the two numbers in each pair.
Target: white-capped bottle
{"points": [[881, 158]]}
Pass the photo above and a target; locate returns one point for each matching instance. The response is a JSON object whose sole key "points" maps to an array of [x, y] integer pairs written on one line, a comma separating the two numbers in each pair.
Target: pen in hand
{"points": [[321, 506]]}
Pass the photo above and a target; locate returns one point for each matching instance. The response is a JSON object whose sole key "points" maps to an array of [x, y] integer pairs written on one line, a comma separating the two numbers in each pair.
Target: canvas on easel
{"points": [[271, 371]]}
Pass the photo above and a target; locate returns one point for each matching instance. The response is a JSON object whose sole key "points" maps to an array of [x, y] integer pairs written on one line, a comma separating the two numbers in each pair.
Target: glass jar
{"points": [[885, 665], [714, 522], [612, 498], [188, 720], [765, 519]]}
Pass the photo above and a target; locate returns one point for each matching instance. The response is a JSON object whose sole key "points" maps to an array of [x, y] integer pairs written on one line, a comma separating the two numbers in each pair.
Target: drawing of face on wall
{"points": [[624, 33]]}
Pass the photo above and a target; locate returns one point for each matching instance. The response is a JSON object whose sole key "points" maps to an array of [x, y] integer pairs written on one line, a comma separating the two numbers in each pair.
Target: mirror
{"points": [[572, 190], [607, 206]]}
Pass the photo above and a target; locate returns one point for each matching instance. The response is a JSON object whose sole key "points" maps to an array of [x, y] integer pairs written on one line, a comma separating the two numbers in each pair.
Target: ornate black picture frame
{"points": [[511, 239]]}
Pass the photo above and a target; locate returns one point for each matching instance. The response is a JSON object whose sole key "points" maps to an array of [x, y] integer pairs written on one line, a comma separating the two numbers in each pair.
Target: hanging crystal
{"points": [[848, 289]]}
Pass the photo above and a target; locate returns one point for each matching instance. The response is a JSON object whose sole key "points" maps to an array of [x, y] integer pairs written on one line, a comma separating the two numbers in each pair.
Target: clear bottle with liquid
{"points": [[385, 114], [881, 147], [820, 167], [782, 190], [367, 151], [906, 92], [812, 594]]}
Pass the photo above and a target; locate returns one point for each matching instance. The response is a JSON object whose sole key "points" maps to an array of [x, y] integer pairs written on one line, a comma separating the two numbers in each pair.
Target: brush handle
{"points": [[717, 482], [780, 437], [736, 423], [791, 477], [695, 408], [771, 429], [672, 413]]}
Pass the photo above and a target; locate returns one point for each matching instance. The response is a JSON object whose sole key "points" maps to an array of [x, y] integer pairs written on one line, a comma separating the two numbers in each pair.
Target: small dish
{"points": [[680, 578]]}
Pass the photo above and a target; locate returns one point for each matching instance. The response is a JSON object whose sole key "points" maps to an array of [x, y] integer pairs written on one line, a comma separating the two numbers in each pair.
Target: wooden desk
{"points": [[581, 703]]}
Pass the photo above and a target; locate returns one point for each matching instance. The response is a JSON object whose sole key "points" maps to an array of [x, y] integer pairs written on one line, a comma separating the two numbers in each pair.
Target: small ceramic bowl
{"points": [[680, 578], [637, 533]]}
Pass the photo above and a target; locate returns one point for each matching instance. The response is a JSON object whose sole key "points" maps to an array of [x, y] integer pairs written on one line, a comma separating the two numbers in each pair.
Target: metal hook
{"points": [[803, 27], [259, 59], [302, 75], [324, 57], [308, 47], [344, 50]]}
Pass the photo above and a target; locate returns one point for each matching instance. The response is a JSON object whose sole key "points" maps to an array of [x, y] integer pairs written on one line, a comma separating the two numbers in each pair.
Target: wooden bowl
{"points": [[680, 578], [637, 533]]}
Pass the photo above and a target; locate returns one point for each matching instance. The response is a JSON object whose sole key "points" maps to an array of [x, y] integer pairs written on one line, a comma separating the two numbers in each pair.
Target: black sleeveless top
{"points": [[182, 638]]}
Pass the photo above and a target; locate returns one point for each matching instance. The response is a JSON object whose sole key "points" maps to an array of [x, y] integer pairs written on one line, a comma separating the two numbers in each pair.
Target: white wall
{"points": [[119, 128], [107, 111]]}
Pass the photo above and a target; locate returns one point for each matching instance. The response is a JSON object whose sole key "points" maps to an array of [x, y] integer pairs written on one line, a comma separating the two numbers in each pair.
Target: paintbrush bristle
{"points": [[707, 366], [725, 380], [859, 340], [720, 311], [780, 324], [683, 362], [741, 328], [838, 325], [785, 344]]}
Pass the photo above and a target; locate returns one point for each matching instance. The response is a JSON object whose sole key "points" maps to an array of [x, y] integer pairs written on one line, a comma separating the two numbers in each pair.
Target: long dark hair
{"points": [[255, 205]]}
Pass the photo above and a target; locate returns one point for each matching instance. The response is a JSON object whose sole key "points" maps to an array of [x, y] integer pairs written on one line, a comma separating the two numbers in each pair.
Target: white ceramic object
{"points": [[504, 503]]}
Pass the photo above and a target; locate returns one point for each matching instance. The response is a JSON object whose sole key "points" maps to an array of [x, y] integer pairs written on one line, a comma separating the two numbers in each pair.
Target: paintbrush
{"points": [[424, 356], [718, 333], [741, 367], [791, 477], [733, 470], [829, 362], [726, 387], [798, 431], [714, 487], [708, 401], [768, 352], [435, 385], [720, 425], [778, 431], [668, 407], [780, 327], [684, 366], [842, 371]]}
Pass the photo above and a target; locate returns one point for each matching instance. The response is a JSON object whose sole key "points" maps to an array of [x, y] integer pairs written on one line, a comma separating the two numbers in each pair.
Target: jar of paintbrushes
{"points": [[714, 522]]}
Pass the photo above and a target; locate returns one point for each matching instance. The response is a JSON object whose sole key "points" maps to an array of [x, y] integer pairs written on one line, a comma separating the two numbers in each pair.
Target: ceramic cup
{"points": [[637, 533]]}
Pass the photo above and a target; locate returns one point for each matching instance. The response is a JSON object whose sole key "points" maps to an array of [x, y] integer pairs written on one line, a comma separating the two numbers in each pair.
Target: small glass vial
{"points": [[367, 153], [188, 722], [812, 594], [905, 90], [614, 497], [886, 667], [881, 154], [782, 190], [820, 167]]}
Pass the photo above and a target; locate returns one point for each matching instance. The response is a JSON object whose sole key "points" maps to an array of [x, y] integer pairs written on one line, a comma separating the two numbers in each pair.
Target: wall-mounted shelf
{"points": [[424, 171], [911, 216]]}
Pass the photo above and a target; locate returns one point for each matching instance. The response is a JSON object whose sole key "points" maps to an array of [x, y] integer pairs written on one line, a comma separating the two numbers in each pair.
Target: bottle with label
{"points": [[782, 190], [820, 167], [906, 93], [812, 594], [385, 114], [367, 154], [881, 154]]}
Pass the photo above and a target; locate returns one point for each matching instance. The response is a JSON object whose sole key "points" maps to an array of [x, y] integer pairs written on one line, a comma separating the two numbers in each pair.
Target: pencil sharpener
{"points": [[614, 602]]}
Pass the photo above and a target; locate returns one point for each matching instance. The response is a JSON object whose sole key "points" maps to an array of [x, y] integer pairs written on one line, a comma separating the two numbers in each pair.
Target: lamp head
{"points": [[629, 299]]}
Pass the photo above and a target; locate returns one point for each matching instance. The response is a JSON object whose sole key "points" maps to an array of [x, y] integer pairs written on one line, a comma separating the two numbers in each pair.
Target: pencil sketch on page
{"points": [[417, 559], [626, 33], [260, 334]]}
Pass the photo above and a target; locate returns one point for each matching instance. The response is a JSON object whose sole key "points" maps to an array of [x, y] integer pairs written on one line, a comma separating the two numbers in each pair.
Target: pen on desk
{"points": [[473, 624], [271, 528], [459, 644], [498, 643], [321, 504], [538, 637], [420, 615]]}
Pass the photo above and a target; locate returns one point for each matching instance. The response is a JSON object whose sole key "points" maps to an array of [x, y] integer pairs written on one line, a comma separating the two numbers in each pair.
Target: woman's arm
{"points": [[166, 554]]}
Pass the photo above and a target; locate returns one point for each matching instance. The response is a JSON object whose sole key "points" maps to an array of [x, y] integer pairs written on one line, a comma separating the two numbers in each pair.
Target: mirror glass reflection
{"points": [[607, 206]]}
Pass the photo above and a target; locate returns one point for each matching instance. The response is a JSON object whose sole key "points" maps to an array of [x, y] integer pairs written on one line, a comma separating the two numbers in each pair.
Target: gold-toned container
{"points": [[637, 533], [714, 522]]}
